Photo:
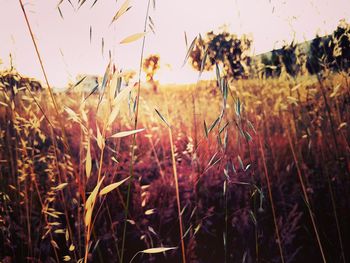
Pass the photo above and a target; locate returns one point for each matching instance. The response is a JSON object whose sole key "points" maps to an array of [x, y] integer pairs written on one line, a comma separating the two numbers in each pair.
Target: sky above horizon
{"points": [[65, 43]]}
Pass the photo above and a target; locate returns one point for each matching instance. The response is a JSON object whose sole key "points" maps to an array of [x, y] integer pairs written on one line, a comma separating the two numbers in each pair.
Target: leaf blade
{"points": [[126, 133], [88, 162], [113, 186], [162, 118], [157, 250], [122, 10], [133, 38], [189, 50]]}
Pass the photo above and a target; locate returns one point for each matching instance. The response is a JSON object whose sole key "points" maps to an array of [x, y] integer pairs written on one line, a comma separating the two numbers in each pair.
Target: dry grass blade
{"points": [[212, 126], [190, 50], [59, 3], [90, 202], [77, 83], [206, 129], [133, 38], [93, 4], [71, 114], [45, 75], [150, 211], [105, 77], [60, 11], [113, 186], [157, 250], [81, 3], [113, 115], [306, 198], [60, 187], [137, 101], [153, 251], [88, 162], [172, 148], [122, 10], [126, 133], [279, 242], [186, 41], [100, 139], [203, 62], [91, 199], [104, 83], [162, 118], [102, 46], [117, 104]]}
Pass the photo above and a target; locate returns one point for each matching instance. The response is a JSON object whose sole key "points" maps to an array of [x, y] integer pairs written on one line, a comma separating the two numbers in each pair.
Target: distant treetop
{"points": [[224, 48]]}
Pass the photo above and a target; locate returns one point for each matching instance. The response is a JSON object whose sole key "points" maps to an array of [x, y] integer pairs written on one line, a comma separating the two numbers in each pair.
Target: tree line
{"points": [[331, 52]]}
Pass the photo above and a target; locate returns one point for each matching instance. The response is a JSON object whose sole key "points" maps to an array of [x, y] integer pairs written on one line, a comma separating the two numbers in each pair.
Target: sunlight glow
{"points": [[67, 51]]}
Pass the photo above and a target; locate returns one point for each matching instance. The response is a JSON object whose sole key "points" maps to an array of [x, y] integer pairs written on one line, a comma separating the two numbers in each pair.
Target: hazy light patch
{"points": [[184, 75], [66, 49]]}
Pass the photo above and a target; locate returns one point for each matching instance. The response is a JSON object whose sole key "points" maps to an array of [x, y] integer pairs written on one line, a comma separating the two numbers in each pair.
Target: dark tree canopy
{"points": [[225, 48], [12, 82], [341, 49], [320, 54], [330, 52], [288, 58], [272, 65]]}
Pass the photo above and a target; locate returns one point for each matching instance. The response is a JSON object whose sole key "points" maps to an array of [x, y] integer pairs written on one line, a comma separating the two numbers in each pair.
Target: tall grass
{"points": [[153, 157], [122, 193], [131, 171]]}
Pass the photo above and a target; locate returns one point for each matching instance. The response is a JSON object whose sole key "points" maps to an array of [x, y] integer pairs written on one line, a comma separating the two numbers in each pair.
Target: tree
{"points": [[320, 54], [225, 48], [272, 65], [289, 59], [341, 46], [330, 52], [13, 82], [150, 67]]}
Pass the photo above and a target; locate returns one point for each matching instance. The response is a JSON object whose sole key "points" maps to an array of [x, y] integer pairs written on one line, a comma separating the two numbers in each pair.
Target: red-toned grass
{"points": [[34, 216]]}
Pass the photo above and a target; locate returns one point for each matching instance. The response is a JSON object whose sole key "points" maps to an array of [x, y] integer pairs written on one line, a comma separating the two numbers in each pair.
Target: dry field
{"points": [[246, 171]]}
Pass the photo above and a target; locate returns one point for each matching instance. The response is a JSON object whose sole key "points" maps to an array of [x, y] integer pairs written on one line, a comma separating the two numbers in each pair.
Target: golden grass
{"points": [[46, 184]]}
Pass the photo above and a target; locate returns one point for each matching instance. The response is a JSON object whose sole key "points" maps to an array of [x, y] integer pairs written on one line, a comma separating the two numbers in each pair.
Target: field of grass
{"points": [[257, 172]]}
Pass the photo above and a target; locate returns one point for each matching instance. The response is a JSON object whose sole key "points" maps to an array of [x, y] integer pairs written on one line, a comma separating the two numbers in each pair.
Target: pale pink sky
{"points": [[66, 49]]}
